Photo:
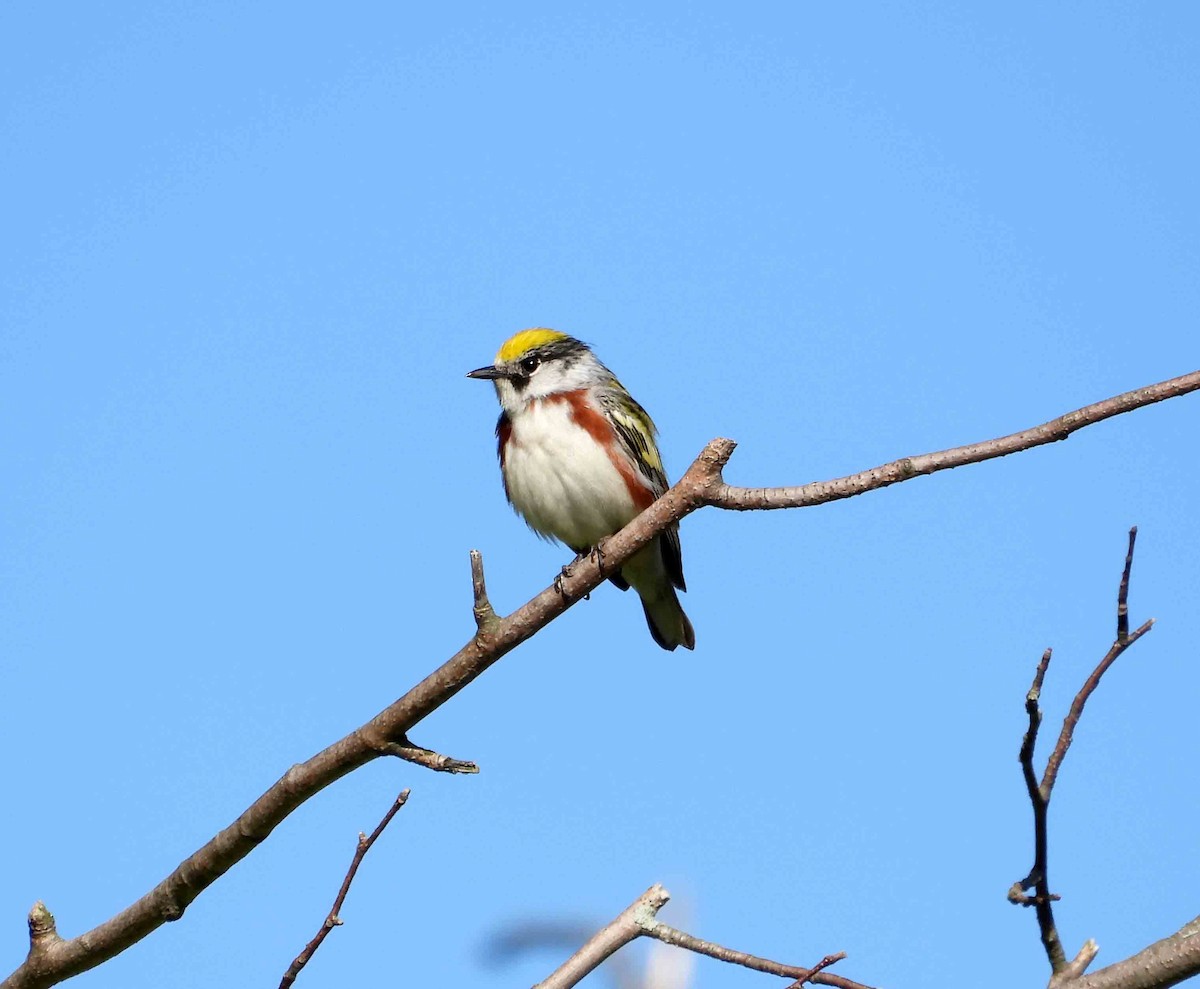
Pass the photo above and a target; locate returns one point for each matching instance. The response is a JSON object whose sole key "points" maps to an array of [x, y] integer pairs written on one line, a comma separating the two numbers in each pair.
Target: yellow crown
{"points": [[526, 340]]}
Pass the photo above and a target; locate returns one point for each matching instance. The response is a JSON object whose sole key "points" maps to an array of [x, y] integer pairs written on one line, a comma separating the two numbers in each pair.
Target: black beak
{"points": [[489, 373]]}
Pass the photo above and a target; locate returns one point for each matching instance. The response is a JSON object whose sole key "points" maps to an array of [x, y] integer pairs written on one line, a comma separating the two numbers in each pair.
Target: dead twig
{"points": [[819, 966], [421, 756], [1040, 792], [332, 919], [639, 920], [1122, 642], [485, 616]]}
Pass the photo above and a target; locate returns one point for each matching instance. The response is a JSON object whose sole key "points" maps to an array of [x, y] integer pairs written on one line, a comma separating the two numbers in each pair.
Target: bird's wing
{"points": [[636, 431]]}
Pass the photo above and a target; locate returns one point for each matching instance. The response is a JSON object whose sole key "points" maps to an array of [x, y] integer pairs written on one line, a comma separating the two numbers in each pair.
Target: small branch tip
{"points": [[712, 460], [1090, 948], [42, 928], [421, 756], [1123, 590], [1039, 677], [485, 616], [1075, 968], [818, 967]]}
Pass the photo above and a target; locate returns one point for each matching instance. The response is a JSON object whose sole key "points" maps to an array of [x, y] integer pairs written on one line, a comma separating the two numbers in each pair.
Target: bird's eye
{"points": [[530, 364]]}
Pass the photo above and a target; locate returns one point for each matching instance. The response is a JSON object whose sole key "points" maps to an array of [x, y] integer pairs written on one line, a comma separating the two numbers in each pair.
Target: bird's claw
{"points": [[567, 571], [562, 575], [596, 555]]}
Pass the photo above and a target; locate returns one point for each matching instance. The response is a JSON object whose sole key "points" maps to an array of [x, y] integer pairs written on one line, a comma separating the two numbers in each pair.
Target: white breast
{"points": [[561, 480]]}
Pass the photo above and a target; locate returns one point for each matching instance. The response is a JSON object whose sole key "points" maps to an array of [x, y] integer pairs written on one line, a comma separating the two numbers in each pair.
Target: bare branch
{"points": [[1122, 642], [1040, 793], [1123, 590], [701, 485], [332, 919], [43, 932], [639, 919], [743, 499], [485, 616], [543, 935], [609, 939], [1164, 963], [1036, 880], [439, 763], [824, 963], [669, 935], [1077, 965]]}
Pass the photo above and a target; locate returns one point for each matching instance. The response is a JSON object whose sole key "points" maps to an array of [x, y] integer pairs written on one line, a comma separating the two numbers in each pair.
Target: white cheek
{"points": [[509, 398], [545, 381], [538, 386]]}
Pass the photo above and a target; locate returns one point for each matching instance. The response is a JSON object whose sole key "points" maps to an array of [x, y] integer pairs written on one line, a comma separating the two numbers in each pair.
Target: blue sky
{"points": [[247, 253]]}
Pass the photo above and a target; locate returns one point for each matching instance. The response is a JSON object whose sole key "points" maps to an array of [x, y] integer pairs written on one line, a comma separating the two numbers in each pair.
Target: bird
{"points": [[579, 460]]}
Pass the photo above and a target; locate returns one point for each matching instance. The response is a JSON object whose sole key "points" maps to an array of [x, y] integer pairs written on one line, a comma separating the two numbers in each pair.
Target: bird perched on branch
{"points": [[579, 461]]}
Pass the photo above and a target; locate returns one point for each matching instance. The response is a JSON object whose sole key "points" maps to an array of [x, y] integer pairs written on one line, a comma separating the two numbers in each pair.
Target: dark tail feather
{"points": [[669, 626]]}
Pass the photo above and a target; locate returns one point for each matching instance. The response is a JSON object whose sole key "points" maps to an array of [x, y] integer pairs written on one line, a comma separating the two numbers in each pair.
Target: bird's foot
{"points": [[567, 571], [562, 575], [596, 555]]}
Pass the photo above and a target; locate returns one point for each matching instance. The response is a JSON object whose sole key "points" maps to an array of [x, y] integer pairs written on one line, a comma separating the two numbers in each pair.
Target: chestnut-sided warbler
{"points": [[579, 461]]}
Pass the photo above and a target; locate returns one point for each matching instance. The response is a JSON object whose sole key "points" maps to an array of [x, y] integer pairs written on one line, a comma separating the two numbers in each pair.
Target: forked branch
{"points": [[52, 958], [1042, 900], [639, 919]]}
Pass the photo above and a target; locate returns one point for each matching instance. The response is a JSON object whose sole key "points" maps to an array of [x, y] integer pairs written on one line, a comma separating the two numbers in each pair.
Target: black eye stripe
{"points": [[530, 364]]}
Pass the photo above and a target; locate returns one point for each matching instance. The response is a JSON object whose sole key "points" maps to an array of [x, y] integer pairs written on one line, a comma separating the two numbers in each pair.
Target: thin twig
{"points": [[639, 919], [421, 756], [1040, 793], [669, 935], [332, 919], [701, 485], [1123, 590], [1119, 646], [1036, 880], [744, 499], [824, 963]]}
